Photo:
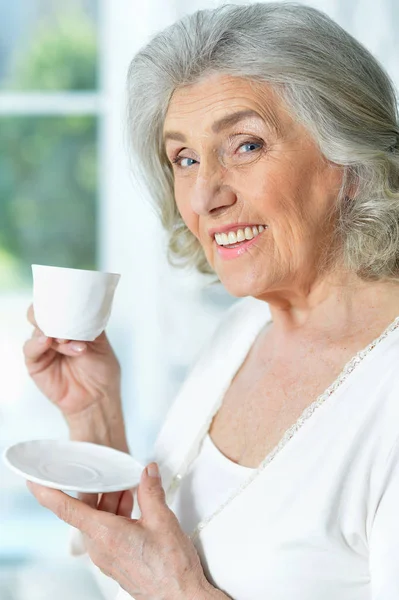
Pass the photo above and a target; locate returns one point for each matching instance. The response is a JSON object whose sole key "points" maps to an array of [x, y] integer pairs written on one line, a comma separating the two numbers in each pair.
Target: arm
{"points": [[101, 423]]}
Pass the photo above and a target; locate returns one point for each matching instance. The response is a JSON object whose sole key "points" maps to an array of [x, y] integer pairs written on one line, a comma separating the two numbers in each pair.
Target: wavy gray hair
{"points": [[331, 84]]}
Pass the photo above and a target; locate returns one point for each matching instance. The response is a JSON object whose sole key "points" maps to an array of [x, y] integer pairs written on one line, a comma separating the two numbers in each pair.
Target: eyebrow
{"points": [[218, 125]]}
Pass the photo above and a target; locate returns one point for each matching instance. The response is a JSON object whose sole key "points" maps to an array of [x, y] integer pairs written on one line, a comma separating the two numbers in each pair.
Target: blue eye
{"points": [[250, 144], [179, 159], [189, 165]]}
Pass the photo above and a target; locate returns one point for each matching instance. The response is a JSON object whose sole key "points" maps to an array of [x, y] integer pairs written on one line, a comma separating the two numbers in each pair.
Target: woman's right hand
{"points": [[75, 376]]}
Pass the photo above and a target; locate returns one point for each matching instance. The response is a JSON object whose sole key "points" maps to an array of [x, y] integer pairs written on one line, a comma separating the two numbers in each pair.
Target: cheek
{"points": [[279, 206]]}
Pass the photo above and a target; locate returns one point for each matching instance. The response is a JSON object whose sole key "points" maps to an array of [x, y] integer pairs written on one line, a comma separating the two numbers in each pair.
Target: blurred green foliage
{"points": [[48, 164], [62, 55]]}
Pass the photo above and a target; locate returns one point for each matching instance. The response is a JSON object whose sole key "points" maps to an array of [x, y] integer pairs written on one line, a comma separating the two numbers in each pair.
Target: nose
{"points": [[210, 190]]}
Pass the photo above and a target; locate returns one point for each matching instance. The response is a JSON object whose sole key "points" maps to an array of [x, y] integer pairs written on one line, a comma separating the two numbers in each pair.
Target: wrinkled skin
{"points": [[151, 557]]}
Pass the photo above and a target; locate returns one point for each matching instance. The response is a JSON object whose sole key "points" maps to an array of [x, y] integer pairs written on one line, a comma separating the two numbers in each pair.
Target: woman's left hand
{"points": [[151, 557]]}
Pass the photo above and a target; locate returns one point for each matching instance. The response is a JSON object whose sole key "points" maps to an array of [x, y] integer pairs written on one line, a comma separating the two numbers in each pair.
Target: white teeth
{"points": [[248, 233], [240, 235], [233, 237]]}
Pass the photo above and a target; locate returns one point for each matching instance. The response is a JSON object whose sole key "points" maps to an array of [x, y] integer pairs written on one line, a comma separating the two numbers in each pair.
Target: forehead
{"points": [[217, 96]]}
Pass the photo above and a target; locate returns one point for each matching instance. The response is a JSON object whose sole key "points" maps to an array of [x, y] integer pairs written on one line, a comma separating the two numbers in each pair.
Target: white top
{"points": [[320, 519], [208, 483]]}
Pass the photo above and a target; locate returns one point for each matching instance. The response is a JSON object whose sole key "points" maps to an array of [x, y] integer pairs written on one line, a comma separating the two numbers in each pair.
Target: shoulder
{"points": [[214, 362], [245, 314], [239, 323]]}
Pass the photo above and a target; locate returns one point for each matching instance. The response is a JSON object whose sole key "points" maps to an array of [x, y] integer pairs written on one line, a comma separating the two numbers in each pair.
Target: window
{"points": [[50, 98]]}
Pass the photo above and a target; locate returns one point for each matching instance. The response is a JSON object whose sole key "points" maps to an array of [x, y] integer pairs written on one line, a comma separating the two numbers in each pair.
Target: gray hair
{"points": [[331, 84]]}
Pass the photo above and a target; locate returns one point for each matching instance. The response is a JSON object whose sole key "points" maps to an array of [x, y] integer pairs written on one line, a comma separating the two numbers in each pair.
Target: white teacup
{"points": [[72, 304]]}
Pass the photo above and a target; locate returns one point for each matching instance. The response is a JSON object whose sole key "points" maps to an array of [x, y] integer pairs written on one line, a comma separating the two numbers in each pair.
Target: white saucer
{"points": [[74, 466]]}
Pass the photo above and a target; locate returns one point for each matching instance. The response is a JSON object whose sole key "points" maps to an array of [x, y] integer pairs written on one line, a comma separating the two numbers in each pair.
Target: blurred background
{"points": [[67, 198]]}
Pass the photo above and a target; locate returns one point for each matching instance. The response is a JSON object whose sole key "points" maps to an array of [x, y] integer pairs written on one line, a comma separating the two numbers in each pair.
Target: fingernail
{"points": [[153, 470], [78, 346], [42, 339]]}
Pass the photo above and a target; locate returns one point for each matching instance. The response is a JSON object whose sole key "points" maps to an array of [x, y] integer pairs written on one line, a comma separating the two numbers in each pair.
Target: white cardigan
{"points": [[321, 521]]}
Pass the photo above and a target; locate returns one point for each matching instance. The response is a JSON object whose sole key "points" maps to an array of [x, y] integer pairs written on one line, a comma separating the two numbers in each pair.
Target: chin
{"points": [[241, 285]]}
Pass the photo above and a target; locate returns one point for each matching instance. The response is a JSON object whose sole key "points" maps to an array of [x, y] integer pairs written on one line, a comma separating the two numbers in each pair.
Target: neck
{"points": [[338, 307]]}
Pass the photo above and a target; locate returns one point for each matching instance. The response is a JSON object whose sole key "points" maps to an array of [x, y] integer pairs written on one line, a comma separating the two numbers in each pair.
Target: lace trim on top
{"points": [[308, 412]]}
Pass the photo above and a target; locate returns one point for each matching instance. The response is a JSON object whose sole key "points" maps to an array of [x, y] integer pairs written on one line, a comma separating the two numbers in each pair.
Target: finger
{"points": [[151, 497], [69, 348], [89, 499], [71, 510], [35, 348], [126, 503], [109, 502], [77, 347], [31, 316], [38, 345], [36, 332]]}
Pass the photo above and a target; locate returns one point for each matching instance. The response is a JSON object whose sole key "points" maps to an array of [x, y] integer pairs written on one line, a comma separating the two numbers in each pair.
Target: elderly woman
{"points": [[269, 140]]}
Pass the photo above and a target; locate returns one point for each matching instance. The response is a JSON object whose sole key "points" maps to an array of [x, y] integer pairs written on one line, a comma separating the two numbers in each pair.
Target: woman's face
{"points": [[239, 160]]}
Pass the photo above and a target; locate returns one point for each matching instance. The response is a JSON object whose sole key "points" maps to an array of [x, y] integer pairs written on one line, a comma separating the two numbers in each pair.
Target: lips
{"points": [[239, 249]]}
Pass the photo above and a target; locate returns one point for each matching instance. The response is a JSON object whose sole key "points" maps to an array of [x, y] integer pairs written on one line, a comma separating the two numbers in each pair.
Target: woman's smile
{"points": [[228, 251], [230, 158]]}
